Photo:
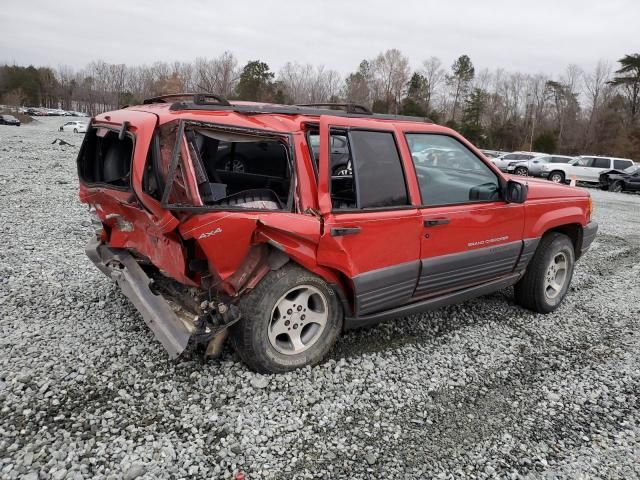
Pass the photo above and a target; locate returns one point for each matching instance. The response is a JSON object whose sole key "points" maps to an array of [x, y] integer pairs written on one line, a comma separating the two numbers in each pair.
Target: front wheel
{"points": [[61, 129], [75, 130], [522, 171], [556, 177], [548, 276], [290, 320], [616, 187]]}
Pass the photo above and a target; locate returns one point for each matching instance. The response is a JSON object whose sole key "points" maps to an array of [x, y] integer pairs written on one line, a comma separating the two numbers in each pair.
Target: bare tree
{"points": [[596, 89], [307, 84], [391, 70], [435, 75], [219, 75]]}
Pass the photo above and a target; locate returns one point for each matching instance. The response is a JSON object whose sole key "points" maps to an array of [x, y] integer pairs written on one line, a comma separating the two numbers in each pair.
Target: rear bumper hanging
{"points": [[172, 331]]}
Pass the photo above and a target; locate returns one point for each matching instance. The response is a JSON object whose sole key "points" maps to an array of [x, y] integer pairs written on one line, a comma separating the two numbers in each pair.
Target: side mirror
{"points": [[516, 192]]}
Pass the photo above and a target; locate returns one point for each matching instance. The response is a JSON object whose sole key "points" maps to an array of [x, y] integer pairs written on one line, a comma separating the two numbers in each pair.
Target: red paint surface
{"points": [[387, 237]]}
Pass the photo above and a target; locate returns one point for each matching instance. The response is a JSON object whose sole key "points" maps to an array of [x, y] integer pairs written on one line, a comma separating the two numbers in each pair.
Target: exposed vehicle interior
{"points": [[220, 168], [105, 159], [343, 190]]}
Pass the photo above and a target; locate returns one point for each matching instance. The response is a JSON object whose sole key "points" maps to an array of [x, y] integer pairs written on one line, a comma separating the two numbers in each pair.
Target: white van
{"points": [[585, 168]]}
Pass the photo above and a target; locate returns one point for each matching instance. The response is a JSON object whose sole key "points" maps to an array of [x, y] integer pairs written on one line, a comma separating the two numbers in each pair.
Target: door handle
{"points": [[341, 231], [432, 222]]}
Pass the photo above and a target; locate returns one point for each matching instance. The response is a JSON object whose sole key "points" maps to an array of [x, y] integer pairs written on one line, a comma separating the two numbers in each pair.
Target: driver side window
{"points": [[449, 173]]}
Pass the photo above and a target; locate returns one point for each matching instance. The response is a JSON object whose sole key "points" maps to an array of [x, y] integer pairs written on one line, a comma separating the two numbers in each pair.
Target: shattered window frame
{"points": [[81, 159], [288, 145]]}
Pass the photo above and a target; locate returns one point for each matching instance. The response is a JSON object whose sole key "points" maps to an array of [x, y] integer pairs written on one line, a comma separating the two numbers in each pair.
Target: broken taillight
{"points": [[96, 223]]}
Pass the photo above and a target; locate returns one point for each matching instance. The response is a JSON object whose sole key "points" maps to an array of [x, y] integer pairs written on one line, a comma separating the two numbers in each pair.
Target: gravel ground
{"points": [[482, 389]]}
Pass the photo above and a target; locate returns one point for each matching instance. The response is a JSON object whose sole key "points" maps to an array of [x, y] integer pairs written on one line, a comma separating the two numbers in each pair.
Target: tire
{"points": [[239, 164], [521, 171], [255, 337], [75, 130], [534, 291], [557, 176], [258, 198], [341, 170], [616, 187], [61, 129]]}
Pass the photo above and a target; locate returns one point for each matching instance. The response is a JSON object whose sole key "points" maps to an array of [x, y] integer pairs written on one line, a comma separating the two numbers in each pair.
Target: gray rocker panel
{"points": [[449, 272], [386, 287]]}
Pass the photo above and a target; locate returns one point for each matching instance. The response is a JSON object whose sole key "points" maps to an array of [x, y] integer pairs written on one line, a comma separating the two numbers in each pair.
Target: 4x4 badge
{"points": [[210, 234]]}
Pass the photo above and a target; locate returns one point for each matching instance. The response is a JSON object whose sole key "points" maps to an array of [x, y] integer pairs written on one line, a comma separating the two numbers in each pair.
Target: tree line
{"points": [[594, 112]]}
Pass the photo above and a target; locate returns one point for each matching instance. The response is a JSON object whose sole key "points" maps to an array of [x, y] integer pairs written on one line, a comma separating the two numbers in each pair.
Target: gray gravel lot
{"points": [[478, 390]]}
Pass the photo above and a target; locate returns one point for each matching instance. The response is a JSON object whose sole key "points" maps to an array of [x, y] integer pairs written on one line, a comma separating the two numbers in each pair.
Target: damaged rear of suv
{"points": [[247, 220]]}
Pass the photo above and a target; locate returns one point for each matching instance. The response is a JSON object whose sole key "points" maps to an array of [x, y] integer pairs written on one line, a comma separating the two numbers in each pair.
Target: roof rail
{"points": [[198, 98], [347, 107], [261, 109], [201, 99]]}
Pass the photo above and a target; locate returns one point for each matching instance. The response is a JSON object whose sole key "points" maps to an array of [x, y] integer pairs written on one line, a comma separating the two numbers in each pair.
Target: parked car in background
{"points": [[621, 180], [533, 167], [75, 126], [583, 168], [9, 120], [502, 162], [492, 153]]}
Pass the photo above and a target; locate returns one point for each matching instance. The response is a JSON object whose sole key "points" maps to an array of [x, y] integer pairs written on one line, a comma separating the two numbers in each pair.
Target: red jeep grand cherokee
{"points": [[281, 225]]}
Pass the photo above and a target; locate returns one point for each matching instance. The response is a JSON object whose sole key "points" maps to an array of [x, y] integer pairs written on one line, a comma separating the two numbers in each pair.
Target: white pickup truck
{"points": [[583, 168]]}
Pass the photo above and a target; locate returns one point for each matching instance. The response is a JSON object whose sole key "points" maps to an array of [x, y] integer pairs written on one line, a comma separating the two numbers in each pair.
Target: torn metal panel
{"points": [[171, 330]]}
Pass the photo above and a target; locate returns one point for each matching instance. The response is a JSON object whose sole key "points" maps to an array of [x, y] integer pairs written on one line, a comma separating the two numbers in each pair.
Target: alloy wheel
{"points": [[298, 320], [556, 275], [556, 178]]}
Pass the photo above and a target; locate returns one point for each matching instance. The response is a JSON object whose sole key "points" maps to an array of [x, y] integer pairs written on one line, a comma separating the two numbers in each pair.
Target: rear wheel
{"points": [[556, 176], [75, 130], [616, 187], [290, 320], [548, 276]]}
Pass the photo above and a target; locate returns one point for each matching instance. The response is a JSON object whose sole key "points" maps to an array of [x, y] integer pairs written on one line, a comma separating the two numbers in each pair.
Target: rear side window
{"points": [[601, 163], [205, 166], [366, 170], [622, 164], [105, 159], [379, 177], [561, 159]]}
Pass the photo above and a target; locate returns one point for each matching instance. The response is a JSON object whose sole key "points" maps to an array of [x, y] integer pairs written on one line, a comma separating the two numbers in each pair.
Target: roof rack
{"points": [[347, 107], [198, 98], [200, 103]]}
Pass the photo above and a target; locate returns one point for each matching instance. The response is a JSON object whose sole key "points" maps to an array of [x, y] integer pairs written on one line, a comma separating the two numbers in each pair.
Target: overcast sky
{"points": [[536, 36]]}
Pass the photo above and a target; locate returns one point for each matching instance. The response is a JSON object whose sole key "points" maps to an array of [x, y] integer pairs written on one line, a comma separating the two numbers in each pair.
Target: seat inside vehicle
{"points": [[106, 159], [241, 170]]}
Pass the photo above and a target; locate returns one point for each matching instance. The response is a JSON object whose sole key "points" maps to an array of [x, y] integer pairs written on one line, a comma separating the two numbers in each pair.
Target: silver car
{"points": [[503, 161], [533, 167]]}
